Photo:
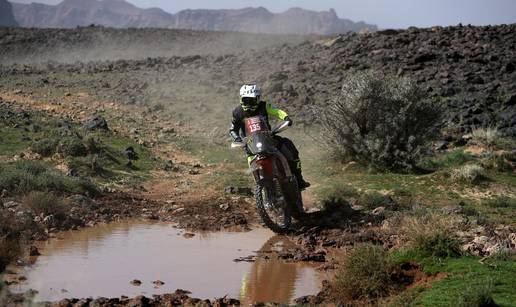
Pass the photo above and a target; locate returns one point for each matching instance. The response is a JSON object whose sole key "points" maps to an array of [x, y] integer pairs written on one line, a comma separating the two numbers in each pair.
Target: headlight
{"points": [[259, 145]]}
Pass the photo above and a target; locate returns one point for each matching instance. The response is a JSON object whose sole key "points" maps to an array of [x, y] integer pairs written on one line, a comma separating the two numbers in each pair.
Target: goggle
{"points": [[249, 101]]}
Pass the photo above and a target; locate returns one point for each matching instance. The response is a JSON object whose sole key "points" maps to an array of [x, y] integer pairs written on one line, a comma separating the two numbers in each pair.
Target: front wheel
{"points": [[273, 209]]}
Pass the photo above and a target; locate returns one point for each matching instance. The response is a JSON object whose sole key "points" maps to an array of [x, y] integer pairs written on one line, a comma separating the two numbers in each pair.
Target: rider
{"points": [[251, 105]]}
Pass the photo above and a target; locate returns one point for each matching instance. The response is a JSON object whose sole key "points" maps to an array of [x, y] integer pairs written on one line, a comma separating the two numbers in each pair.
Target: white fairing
{"points": [[250, 90]]}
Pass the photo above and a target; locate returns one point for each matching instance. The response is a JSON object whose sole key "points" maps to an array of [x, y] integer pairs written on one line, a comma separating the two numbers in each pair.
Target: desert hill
{"points": [[122, 14]]}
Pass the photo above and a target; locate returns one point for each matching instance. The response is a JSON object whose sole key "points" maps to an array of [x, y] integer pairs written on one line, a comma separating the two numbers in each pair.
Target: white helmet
{"points": [[250, 90], [250, 96]]}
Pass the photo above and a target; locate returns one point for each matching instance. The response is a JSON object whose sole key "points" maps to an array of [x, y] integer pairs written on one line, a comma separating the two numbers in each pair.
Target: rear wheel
{"points": [[273, 209]]}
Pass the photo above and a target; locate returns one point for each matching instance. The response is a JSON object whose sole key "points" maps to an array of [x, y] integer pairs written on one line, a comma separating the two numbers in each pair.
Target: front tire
{"points": [[267, 209]]}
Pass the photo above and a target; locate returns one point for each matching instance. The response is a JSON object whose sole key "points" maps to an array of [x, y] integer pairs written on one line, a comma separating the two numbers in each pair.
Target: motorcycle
{"points": [[277, 193]]}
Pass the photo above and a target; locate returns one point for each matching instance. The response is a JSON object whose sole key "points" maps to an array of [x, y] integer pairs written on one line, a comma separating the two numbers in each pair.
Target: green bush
{"points": [[381, 121], [478, 295], [92, 144], [23, 177], [454, 158], [44, 147], [72, 147], [338, 197], [365, 274], [44, 203], [372, 200], [500, 202], [440, 244]]}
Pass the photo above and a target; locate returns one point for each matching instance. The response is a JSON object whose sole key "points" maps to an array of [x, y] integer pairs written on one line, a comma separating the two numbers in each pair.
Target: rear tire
{"points": [[262, 210]]}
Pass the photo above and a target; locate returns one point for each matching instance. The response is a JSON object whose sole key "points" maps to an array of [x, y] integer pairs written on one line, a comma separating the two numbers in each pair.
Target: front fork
{"points": [[263, 170]]}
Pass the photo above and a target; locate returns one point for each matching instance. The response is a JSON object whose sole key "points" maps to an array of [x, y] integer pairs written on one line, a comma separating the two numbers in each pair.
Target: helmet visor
{"points": [[249, 101]]}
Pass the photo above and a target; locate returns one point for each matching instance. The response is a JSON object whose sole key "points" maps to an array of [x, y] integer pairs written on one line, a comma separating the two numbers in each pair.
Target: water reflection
{"points": [[101, 261]]}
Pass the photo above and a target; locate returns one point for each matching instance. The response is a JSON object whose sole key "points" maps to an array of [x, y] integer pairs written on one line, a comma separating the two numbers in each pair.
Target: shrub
{"points": [[478, 295], [439, 244], [338, 197], [486, 136], [432, 233], [44, 203], [9, 250], [469, 173], [503, 162], [92, 144], [454, 158], [381, 121], [372, 200], [501, 202], [72, 147], [44, 147], [365, 274], [25, 176]]}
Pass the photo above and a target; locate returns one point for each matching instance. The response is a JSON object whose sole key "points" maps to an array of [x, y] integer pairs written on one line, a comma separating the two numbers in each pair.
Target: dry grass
{"points": [[486, 136], [44, 203], [431, 233], [469, 173], [364, 275]]}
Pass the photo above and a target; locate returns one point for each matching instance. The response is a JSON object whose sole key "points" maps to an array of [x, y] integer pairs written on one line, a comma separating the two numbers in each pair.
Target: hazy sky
{"points": [[385, 13]]}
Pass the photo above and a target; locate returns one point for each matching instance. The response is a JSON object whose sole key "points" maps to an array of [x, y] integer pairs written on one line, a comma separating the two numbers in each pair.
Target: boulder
{"points": [[96, 123]]}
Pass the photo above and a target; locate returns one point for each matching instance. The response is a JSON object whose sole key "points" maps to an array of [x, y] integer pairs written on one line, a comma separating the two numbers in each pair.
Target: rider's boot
{"points": [[296, 170]]}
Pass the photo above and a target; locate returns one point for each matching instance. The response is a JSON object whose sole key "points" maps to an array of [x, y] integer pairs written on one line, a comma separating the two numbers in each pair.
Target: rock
{"points": [[455, 209], [139, 301], [178, 210], [425, 57], [250, 258], [511, 101], [188, 235], [238, 190], [158, 283], [49, 220], [96, 123], [169, 165], [509, 68], [136, 282], [11, 204], [194, 171], [130, 153], [33, 251], [224, 207], [80, 199], [378, 211], [440, 145]]}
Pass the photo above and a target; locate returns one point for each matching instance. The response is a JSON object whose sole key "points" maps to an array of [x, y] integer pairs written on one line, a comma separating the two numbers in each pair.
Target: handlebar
{"points": [[278, 129]]}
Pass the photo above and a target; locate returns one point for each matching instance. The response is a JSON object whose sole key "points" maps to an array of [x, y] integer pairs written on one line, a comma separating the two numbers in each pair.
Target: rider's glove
{"points": [[287, 119]]}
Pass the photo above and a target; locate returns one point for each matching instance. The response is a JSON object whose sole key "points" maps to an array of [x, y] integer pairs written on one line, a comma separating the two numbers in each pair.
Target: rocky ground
{"points": [[470, 69]]}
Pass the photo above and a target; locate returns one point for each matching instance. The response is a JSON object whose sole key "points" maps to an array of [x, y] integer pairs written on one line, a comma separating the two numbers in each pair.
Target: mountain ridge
{"points": [[122, 14], [6, 15]]}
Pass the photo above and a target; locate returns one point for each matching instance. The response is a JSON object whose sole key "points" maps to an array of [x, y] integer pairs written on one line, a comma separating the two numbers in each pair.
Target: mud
{"points": [[143, 258]]}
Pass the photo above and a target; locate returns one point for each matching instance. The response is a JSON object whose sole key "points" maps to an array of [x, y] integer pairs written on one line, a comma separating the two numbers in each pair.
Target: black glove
{"points": [[290, 122]]}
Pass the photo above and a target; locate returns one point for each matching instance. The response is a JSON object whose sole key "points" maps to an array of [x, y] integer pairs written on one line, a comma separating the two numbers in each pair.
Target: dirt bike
{"points": [[277, 194]]}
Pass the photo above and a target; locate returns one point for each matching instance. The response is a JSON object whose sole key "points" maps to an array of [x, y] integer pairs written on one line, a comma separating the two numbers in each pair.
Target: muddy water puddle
{"points": [[102, 261]]}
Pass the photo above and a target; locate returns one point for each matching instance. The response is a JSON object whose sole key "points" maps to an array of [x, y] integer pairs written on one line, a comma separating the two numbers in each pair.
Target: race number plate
{"points": [[255, 124]]}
